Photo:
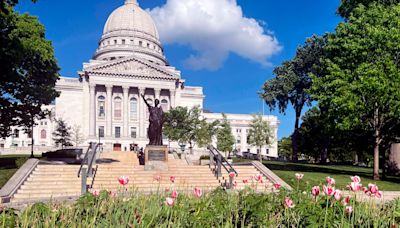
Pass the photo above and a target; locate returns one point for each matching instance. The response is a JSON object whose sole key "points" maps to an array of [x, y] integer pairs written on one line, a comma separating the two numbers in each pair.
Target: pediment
{"points": [[132, 66]]}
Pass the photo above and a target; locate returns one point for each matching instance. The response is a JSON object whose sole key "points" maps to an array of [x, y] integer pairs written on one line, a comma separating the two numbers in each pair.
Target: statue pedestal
{"points": [[156, 158]]}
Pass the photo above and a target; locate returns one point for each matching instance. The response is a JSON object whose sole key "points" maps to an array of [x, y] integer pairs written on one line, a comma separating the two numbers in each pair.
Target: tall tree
{"points": [[362, 65], [260, 134], [187, 126], [285, 147], [348, 6], [293, 81], [29, 70], [77, 134], [62, 134], [225, 138]]}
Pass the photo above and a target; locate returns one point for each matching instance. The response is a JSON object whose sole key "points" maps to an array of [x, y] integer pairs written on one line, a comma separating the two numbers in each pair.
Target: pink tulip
{"points": [[330, 181], [174, 194], [349, 209], [346, 201], [277, 186], [299, 176], [157, 178], [329, 190], [356, 179], [172, 179], [258, 178], [245, 181], [113, 194], [373, 188], [170, 201], [289, 203], [354, 186], [124, 180], [232, 174], [337, 194], [365, 189], [167, 189], [96, 193], [197, 192], [315, 191], [379, 194]]}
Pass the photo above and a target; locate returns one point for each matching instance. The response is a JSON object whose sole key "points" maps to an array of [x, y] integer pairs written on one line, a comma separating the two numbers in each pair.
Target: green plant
{"points": [[19, 162], [205, 157]]}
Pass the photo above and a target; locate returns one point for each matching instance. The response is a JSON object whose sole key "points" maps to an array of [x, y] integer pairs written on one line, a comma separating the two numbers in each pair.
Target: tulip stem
{"points": [[326, 210]]}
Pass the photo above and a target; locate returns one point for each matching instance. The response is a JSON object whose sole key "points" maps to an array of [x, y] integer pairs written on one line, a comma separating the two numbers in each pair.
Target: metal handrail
{"points": [[222, 159], [84, 159], [93, 158]]}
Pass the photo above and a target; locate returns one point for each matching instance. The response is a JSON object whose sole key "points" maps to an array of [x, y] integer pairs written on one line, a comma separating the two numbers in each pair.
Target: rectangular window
{"points": [[267, 151], [2, 146], [117, 132], [101, 131], [140, 43], [133, 132], [123, 41]]}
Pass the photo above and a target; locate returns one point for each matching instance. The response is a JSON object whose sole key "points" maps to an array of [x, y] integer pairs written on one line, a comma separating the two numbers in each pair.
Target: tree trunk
{"points": [[259, 155], [295, 137], [376, 144], [376, 155]]}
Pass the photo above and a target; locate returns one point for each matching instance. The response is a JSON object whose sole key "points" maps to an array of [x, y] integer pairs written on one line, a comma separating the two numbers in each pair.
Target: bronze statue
{"points": [[156, 119]]}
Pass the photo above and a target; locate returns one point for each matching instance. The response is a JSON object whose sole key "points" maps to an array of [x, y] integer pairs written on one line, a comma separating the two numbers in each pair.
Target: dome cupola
{"points": [[130, 30]]}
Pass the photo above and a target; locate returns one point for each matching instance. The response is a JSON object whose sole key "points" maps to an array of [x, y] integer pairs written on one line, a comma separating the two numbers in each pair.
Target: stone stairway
{"points": [[186, 177], [50, 181], [247, 177], [59, 181]]}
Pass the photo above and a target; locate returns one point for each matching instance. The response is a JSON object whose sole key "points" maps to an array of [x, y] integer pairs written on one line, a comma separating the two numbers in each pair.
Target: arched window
{"points": [[164, 105], [16, 133], [117, 108], [43, 134], [133, 108], [101, 106]]}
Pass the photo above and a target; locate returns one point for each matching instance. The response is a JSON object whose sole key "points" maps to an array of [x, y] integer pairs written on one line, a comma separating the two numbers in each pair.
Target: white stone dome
{"points": [[131, 17], [130, 30]]}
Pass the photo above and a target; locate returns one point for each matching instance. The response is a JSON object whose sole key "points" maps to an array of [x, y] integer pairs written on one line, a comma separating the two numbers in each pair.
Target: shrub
{"points": [[205, 157], [19, 162]]}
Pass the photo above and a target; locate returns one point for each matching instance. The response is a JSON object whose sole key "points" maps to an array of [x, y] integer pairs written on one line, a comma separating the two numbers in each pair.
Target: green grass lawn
{"points": [[9, 165], [315, 174]]}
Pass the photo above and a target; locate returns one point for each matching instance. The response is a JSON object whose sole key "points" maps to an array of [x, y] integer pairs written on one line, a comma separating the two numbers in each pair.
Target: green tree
{"points": [[29, 70], [225, 138], [260, 134], [206, 132], [77, 134], [361, 85], [62, 134], [185, 125], [293, 81], [285, 147], [348, 6]]}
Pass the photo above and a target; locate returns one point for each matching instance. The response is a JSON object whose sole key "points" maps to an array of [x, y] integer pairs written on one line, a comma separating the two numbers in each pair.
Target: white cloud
{"points": [[214, 29]]}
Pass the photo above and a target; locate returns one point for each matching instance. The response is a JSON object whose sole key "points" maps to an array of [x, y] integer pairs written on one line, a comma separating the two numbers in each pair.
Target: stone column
{"points": [[172, 98], [142, 113], [109, 111], [157, 93], [92, 111], [125, 90]]}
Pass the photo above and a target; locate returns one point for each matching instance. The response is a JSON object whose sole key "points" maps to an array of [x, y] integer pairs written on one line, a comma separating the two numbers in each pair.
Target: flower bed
{"points": [[322, 206]]}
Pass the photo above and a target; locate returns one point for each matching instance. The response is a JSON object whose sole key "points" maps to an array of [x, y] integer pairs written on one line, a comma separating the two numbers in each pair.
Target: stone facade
{"points": [[104, 101]]}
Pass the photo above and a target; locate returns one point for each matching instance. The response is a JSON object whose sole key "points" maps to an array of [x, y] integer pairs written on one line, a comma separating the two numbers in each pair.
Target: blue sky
{"points": [[75, 28]]}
